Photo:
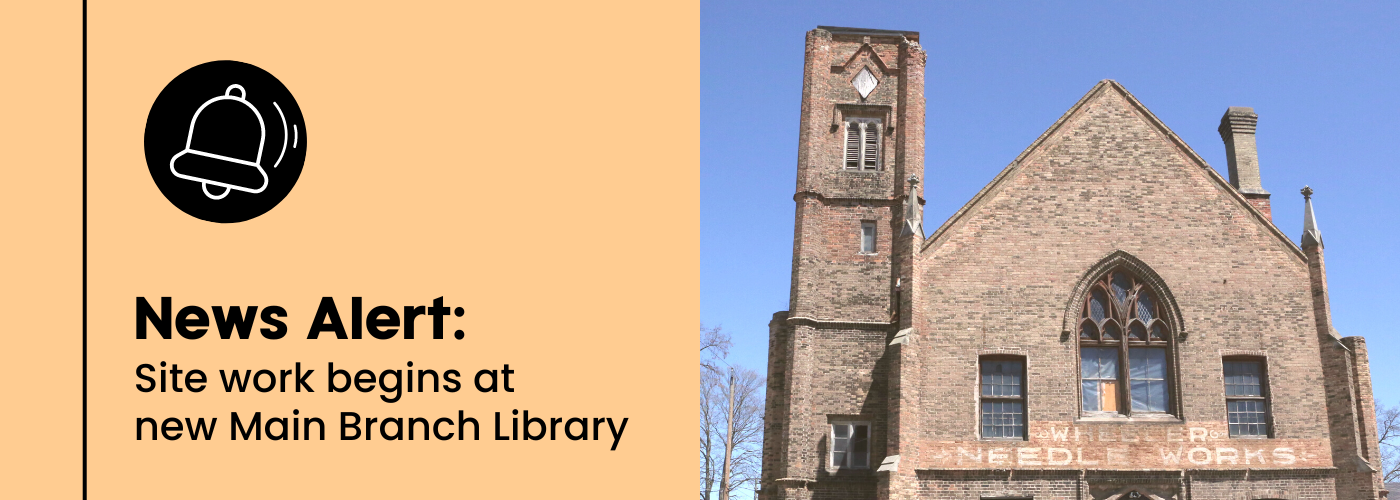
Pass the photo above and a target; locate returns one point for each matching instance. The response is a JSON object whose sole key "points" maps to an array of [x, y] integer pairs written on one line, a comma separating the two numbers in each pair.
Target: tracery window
{"points": [[1124, 348]]}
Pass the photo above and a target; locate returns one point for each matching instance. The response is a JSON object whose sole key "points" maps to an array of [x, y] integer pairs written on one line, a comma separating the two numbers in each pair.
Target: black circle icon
{"points": [[225, 141]]}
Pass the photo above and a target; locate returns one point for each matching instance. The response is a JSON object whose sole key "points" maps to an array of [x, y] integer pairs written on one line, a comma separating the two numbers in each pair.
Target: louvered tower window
{"points": [[863, 144]]}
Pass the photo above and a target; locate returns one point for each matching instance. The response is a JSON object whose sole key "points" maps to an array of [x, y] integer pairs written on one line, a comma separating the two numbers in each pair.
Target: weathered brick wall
{"points": [[1106, 180], [831, 279], [1366, 410], [1067, 485], [777, 403], [847, 379], [827, 356], [1252, 485], [1346, 376], [860, 487], [829, 97], [834, 280], [817, 375], [976, 485], [1261, 203]]}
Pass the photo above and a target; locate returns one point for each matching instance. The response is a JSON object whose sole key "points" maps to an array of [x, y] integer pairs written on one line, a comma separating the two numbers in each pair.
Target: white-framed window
{"points": [[863, 143], [867, 236], [850, 445]]}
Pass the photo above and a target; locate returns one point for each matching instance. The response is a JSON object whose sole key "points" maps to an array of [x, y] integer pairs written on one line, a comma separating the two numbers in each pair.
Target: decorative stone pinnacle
{"points": [[912, 224], [1311, 236]]}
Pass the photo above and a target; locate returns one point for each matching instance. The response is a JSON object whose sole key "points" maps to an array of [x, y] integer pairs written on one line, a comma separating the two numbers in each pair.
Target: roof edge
{"points": [[1152, 120], [1220, 181], [976, 199], [912, 35]]}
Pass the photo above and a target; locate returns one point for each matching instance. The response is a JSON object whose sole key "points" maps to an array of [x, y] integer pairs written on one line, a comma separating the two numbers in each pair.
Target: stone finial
{"points": [[1237, 130], [1311, 236]]}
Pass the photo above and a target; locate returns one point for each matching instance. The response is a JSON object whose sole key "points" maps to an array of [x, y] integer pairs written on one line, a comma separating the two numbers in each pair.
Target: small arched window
{"points": [[1124, 348]]}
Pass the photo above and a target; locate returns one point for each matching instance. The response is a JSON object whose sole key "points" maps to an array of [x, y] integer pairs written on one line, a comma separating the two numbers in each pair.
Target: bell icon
{"points": [[222, 155]]}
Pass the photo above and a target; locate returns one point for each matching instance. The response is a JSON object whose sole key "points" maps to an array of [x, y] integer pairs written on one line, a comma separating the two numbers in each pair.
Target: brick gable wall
{"points": [[1107, 181]]}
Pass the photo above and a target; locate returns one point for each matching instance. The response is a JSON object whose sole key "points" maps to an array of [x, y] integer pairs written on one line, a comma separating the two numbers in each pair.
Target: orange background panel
{"points": [[534, 164]]}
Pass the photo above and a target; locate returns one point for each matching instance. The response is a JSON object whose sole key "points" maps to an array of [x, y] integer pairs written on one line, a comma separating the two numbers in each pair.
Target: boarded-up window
{"points": [[1098, 368]]}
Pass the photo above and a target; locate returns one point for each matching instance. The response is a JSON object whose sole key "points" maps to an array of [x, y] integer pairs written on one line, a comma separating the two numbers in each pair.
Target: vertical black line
{"points": [[85, 252]]}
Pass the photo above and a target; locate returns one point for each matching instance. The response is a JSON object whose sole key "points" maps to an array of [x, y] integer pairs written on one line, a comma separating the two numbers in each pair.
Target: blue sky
{"points": [[1324, 78]]}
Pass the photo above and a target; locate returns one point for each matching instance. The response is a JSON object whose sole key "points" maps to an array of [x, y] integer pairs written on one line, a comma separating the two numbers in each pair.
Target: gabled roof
{"points": [[1186, 152]]}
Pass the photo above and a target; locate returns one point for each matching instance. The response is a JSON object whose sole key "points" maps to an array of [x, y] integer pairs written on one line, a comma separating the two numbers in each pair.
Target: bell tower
{"points": [[861, 138], [859, 167]]}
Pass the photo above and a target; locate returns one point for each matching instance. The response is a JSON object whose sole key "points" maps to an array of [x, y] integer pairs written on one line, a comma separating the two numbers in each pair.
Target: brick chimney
{"points": [[1237, 130]]}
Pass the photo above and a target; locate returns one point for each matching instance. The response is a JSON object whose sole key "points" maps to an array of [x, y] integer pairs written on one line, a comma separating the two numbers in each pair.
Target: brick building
{"points": [[1108, 318]]}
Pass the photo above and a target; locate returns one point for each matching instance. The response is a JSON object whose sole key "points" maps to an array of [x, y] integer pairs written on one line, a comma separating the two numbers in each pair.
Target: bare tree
{"points": [[714, 345], [1388, 432], [731, 420], [710, 419], [732, 430]]}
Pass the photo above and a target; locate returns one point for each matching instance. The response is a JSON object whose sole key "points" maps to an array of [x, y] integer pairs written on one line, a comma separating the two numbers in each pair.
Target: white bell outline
{"points": [[262, 138]]}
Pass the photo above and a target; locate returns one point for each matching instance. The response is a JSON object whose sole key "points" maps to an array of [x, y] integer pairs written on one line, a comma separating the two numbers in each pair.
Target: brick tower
{"points": [[860, 159]]}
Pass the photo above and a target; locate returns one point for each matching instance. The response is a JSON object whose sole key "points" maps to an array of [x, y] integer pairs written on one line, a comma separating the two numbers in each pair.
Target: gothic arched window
{"points": [[1124, 348]]}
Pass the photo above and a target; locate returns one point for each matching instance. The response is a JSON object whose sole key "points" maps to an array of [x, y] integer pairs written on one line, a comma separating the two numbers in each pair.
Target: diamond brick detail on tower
{"points": [[865, 83]]}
